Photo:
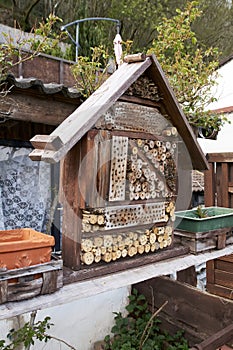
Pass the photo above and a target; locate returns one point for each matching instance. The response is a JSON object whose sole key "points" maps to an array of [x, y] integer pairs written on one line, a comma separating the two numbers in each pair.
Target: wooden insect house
{"points": [[119, 153]]}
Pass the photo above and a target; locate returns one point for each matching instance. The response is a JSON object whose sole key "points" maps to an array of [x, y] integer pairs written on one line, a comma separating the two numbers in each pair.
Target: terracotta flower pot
{"points": [[24, 247]]}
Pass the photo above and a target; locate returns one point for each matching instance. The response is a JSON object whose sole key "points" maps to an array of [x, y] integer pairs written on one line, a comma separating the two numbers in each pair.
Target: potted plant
{"points": [[204, 228]]}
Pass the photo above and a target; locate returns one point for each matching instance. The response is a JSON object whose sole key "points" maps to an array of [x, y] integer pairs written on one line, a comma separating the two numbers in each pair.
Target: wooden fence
{"points": [[219, 180]]}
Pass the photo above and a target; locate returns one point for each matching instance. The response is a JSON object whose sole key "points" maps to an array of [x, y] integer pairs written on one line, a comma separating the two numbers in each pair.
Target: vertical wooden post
{"points": [[71, 200], [188, 275], [209, 179]]}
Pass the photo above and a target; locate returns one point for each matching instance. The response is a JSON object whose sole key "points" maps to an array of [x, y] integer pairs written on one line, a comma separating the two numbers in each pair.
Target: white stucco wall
{"points": [[80, 323], [224, 94], [224, 90]]}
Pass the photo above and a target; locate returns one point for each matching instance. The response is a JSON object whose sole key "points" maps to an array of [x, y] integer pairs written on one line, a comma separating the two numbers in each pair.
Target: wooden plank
{"points": [[221, 241], [46, 142], [124, 264], [49, 282], [139, 101], [77, 291], [188, 275], [49, 110], [24, 290], [3, 292], [223, 278], [209, 180], [224, 186], [227, 258], [31, 270], [83, 118], [72, 200], [218, 339], [220, 157], [223, 265], [220, 291], [208, 313], [210, 266]]}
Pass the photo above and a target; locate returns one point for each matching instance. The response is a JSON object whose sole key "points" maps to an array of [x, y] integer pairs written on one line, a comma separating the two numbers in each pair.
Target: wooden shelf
{"points": [[88, 288]]}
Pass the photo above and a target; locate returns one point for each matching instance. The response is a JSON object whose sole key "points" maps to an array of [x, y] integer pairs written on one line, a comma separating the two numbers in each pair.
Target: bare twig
{"points": [[146, 331]]}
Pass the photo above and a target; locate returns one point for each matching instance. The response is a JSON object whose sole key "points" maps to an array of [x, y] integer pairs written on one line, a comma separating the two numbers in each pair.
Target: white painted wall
{"points": [[224, 94], [224, 90], [80, 323]]}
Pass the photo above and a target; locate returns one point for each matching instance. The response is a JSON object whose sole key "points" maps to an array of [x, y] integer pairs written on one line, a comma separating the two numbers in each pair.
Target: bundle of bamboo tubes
{"points": [[109, 248]]}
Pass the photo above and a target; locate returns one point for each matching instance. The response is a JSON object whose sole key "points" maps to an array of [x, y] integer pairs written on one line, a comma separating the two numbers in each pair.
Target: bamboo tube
{"points": [[147, 248], [143, 239], [88, 258], [114, 256], [93, 219], [152, 238], [141, 249], [98, 241], [107, 257], [103, 250], [118, 253], [100, 219], [86, 245], [107, 241], [97, 258], [124, 253]]}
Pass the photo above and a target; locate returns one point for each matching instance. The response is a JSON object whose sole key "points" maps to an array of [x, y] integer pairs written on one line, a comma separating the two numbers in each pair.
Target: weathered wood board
{"points": [[219, 275], [28, 282], [204, 241], [198, 313]]}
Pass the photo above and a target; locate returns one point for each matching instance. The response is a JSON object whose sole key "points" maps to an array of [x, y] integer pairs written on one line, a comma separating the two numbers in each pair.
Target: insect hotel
{"points": [[120, 153]]}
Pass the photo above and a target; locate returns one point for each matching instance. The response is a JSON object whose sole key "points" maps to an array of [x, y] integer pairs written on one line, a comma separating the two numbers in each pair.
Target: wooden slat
{"points": [[220, 157], [31, 270], [224, 202], [223, 265], [220, 291], [36, 108], [218, 339], [210, 265], [72, 200], [227, 258], [198, 313], [209, 193], [224, 278], [188, 275]]}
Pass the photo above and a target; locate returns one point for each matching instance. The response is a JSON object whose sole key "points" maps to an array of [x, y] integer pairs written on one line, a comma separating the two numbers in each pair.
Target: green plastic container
{"points": [[218, 218]]}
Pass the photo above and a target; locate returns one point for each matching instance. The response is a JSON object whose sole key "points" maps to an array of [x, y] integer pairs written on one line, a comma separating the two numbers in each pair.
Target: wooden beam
{"points": [[46, 142], [218, 339], [83, 118], [39, 109], [220, 157]]}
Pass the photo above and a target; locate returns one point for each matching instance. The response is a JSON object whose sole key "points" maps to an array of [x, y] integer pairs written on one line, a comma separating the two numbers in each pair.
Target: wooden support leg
{"points": [[188, 275]]}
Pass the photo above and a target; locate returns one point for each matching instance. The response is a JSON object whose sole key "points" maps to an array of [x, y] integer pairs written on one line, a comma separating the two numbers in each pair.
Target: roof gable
{"points": [[55, 146]]}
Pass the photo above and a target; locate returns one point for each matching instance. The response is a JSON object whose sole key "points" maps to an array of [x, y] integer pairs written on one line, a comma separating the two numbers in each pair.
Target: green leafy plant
{"points": [[190, 68], [28, 333], [140, 330], [201, 212], [90, 73], [12, 55]]}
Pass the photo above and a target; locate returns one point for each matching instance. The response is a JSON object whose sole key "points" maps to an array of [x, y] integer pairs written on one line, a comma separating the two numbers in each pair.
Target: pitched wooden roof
{"points": [[55, 146]]}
